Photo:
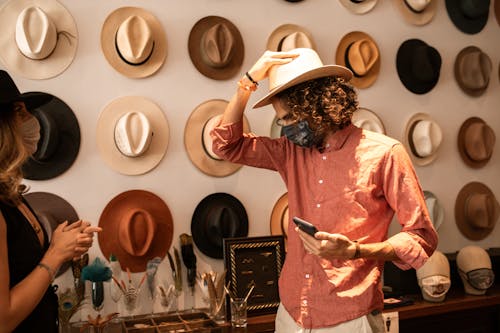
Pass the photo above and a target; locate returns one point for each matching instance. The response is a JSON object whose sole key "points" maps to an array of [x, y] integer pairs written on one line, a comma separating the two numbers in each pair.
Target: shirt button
{"points": [[318, 205], [307, 276], [304, 302], [327, 145], [320, 181], [323, 157]]}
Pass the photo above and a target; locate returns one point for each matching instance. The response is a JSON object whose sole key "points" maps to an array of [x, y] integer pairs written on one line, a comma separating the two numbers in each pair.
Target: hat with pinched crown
{"points": [[290, 36], [417, 12], [469, 16], [359, 6], [473, 70], [476, 142]]}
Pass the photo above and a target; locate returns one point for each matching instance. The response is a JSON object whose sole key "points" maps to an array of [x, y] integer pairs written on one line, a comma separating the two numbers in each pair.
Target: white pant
{"points": [[286, 324]]}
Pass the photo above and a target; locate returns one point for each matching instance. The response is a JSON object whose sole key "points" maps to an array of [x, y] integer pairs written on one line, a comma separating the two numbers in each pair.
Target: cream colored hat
{"points": [[368, 120], [436, 210], [417, 12], [132, 135], [359, 6], [133, 42], [423, 137], [290, 36], [39, 38]]}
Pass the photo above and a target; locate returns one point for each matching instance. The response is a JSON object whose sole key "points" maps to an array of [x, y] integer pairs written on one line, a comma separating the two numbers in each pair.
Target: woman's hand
{"points": [[328, 246], [260, 69], [72, 241]]}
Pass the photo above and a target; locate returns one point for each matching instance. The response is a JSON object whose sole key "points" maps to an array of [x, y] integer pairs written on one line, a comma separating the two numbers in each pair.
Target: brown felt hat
{"points": [[216, 47], [359, 52], [473, 70], [417, 12], [290, 36], [476, 211], [476, 141], [359, 6], [198, 142], [136, 226]]}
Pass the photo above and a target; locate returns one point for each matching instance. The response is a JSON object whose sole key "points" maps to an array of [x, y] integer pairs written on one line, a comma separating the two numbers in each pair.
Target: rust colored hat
{"points": [[52, 210], [198, 142], [290, 36], [359, 52], [417, 12], [216, 47], [476, 141], [136, 226], [473, 70], [280, 217], [476, 211]]}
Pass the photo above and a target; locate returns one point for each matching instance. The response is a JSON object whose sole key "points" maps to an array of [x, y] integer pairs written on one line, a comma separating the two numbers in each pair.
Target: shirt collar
{"points": [[337, 140]]}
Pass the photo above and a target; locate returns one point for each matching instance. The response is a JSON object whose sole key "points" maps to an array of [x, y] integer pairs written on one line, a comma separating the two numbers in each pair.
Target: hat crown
{"points": [[133, 134], [434, 208], [36, 33], [221, 223], [417, 6], [474, 9], [362, 56], [134, 40], [297, 39], [217, 45], [426, 63], [207, 138], [8, 89], [479, 141], [481, 210], [49, 136], [474, 69], [426, 137], [136, 231]]}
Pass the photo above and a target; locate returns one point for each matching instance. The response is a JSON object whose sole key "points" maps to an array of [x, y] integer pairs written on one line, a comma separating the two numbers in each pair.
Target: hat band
{"points": [[128, 62], [413, 9]]}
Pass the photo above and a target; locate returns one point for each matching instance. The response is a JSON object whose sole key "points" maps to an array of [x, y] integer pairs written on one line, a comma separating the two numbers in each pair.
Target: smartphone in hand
{"points": [[305, 226]]}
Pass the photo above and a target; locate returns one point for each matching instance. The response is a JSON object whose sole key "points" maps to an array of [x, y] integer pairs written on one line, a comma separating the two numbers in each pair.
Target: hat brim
{"points": [[277, 217], [458, 77], [462, 22], [324, 71], [199, 232], [276, 37], [193, 139], [110, 219], [359, 8], [61, 57], [194, 48], [364, 113], [461, 144], [68, 142], [358, 81], [108, 45], [55, 206], [106, 139], [406, 139], [460, 203], [421, 18]]}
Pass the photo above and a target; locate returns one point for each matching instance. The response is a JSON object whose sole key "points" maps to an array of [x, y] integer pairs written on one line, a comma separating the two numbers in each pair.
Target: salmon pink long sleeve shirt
{"points": [[353, 187]]}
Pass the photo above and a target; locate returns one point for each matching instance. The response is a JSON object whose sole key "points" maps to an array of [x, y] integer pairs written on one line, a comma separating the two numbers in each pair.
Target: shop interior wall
{"points": [[90, 83]]}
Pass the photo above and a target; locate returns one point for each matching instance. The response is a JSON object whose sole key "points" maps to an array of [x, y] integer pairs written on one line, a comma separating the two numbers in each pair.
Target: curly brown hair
{"points": [[326, 103]]}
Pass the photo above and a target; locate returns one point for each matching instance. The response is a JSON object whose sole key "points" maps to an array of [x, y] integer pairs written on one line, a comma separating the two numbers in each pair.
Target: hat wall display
{"points": [[59, 142], [423, 137], [417, 12], [476, 142], [473, 69], [132, 135], [137, 226], [359, 52], [306, 66], [476, 211], [290, 36], [368, 120], [52, 210], [218, 216], [216, 47], [436, 210], [39, 38], [133, 42], [418, 65], [469, 16], [280, 217], [359, 6], [198, 142]]}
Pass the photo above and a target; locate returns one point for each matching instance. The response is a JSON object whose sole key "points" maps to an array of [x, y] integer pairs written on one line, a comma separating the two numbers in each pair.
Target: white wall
{"points": [[90, 83]]}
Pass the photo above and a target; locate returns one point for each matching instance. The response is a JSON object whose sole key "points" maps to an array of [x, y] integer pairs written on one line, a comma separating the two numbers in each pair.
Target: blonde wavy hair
{"points": [[12, 156]]}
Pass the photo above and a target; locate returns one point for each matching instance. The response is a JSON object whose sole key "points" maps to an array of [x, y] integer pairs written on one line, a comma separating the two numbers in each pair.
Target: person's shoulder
{"points": [[379, 138]]}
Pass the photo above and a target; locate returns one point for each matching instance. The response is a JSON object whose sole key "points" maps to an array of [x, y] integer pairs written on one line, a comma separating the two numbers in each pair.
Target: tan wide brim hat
{"points": [[105, 135], [368, 119], [417, 18], [408, 142], [362, 7], [60, 58], [465, 227], [279, 217], [276, 37], [197, 55], [136, 206], [108, 45], [358, 81], [193, 139], [461, 142]]}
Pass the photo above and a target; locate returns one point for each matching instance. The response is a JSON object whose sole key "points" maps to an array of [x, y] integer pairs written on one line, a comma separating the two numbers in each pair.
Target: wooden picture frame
{"points": [[254, 261]]}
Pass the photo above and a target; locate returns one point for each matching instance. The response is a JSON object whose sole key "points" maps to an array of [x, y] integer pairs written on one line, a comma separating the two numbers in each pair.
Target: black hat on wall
{"points": [[469, 16]]}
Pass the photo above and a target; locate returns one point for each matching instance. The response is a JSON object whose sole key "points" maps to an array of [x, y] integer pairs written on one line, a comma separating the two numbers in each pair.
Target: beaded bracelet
{"points": [[52, 274]]}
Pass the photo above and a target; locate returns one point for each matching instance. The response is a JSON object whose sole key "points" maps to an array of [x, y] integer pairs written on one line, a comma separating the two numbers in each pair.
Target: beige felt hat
{"points": [[359, 6], [133, 42], [216, 47], [368, 120], [307, 66], [436, 210], [423, 137], [476, 142], [359, 52], [473, 70], [39, 38], [417, 12], [290, 36], [132, 135], [198, 142]]}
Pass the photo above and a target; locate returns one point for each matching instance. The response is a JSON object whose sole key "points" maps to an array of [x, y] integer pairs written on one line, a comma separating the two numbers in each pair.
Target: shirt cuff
{"points": [[409, 251]]}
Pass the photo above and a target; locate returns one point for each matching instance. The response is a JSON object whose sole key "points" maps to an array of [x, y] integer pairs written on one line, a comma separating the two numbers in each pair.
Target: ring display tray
{"points": [[182, 322]]}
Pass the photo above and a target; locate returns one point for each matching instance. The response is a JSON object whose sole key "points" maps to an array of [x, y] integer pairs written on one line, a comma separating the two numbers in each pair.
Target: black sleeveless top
{"points": [[25, 252]]}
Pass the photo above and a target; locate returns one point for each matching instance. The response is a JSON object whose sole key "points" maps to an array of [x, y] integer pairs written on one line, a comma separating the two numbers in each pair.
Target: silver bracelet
{"points": [[52, 274]]}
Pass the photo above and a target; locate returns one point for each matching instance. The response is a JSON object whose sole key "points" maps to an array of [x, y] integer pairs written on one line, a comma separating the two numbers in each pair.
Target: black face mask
{"points": [[300, 134]]}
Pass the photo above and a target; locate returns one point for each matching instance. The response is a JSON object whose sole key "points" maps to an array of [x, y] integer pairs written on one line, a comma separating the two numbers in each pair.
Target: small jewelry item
{"points": [[253, 87], [251, 79], [52, 273], [36, 228]]}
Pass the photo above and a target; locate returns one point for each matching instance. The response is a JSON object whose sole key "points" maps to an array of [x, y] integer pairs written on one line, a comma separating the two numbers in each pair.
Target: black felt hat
{"points": [[418, 65], [9, 93], [469, 16], [218, 216], [59, 139]]}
